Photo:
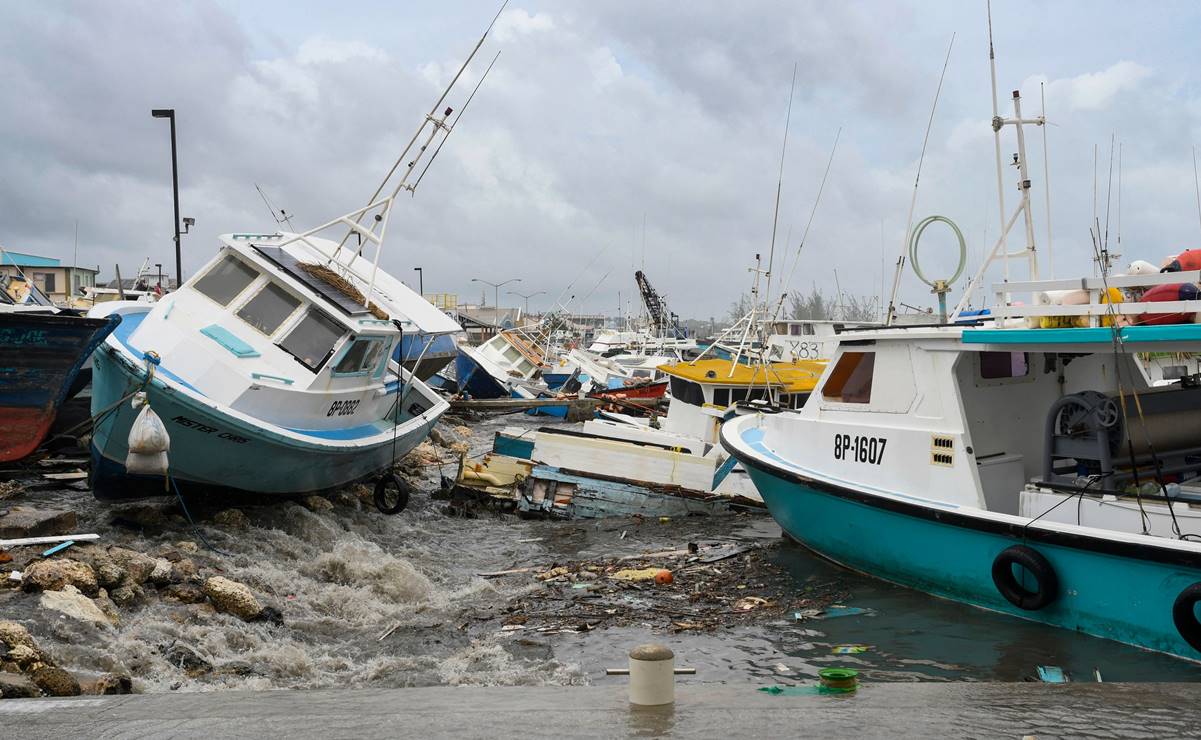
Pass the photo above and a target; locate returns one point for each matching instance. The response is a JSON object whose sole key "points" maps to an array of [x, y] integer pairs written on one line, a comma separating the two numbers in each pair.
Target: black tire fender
{"points": [[1038, 566], [1184, 615], [381, 493]]}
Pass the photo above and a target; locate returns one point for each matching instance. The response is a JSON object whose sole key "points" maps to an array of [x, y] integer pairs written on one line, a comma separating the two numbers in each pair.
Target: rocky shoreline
{"points": [[94, 586]]}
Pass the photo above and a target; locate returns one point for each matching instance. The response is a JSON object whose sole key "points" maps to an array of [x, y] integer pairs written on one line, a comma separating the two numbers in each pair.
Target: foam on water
{"points": [[343, 578]]}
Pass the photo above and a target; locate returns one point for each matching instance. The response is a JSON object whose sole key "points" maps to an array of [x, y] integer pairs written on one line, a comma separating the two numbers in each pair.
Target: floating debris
{"points": [[634, 589]]}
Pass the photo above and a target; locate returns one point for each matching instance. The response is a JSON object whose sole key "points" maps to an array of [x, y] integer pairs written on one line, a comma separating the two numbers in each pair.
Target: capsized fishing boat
{"points": [[272, 368], [1022, 463], [44, 350], [506, 364]]}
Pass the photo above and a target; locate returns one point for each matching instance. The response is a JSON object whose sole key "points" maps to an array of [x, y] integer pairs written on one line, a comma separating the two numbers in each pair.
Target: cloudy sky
{"points": [[597, 117]]}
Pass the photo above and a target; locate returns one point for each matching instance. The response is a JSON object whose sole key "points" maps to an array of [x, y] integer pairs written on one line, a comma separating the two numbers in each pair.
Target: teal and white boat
{"points": [[274, 369], [1053, 473]]}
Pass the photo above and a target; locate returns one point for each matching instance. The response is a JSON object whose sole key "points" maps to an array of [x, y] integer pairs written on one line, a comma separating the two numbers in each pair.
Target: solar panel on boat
{"points": [[292, 266]]}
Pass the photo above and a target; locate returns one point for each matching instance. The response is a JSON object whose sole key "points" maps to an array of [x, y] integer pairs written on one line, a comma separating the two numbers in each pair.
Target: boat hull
{"points": [[212, 450], [43, 355], [1114, 590], [475, 381]]}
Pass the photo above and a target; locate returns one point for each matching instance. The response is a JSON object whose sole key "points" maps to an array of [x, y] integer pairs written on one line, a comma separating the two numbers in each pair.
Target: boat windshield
{"points": [[226, 280], [268, 309], [312, 340]]}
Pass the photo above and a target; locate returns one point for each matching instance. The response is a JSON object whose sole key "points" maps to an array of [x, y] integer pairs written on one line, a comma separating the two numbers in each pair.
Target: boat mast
{"points": [[1023, 209]]}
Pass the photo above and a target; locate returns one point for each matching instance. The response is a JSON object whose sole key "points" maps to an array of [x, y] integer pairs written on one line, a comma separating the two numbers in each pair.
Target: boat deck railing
{"points": [[1033, 302]]}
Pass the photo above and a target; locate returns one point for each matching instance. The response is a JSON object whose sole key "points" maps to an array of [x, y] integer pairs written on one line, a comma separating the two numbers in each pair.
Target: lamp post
{"points": [[496, 293], [169, 113], [527, 297], [420, 281]]}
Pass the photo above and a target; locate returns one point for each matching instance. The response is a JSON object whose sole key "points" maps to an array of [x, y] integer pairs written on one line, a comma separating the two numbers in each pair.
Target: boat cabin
{"points": [[704, 391], [1017, 420], [268, 329]]}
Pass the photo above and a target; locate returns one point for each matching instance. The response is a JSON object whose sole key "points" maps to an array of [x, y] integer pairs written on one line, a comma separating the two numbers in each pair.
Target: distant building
{"points": [[58, 281]]}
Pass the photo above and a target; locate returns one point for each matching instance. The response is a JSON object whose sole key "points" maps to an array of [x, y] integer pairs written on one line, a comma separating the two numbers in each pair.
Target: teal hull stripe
{"points": [[1090, 335]]}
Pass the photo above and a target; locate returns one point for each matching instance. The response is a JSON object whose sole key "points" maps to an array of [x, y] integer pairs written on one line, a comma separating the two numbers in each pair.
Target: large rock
{"points": [[187, 593], [126, 594], [110, 575], [54, 575], [13, 635], [161, 575], [231, 518], [139, 565], [114, 683], [56, 681], [71, 602], [26, 521], [317, 504], [15, 686], [184, 570], [233, 598]]}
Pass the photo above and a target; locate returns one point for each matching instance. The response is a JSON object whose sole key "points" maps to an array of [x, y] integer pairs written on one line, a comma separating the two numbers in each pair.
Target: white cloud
{"points": [[1096, 90]]}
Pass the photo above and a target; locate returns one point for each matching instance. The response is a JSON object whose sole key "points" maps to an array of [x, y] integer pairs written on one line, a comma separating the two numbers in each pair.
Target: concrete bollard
{"points": [[652, 675]]}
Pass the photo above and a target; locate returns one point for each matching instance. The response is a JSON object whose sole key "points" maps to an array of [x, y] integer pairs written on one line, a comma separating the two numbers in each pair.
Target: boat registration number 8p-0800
{"points": [[860, 449]]}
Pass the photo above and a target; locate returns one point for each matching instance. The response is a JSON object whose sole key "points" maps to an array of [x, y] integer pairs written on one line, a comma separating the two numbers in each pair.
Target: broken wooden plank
{"points": [[47, 540], [496, 573], [73, 475]]}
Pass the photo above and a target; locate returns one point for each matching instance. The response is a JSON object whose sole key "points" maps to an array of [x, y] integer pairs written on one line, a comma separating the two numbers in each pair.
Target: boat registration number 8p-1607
{"points": [[861, 449]]}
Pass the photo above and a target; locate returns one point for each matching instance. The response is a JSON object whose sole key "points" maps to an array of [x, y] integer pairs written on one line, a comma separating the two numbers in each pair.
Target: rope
{"points": [[195, 529]]}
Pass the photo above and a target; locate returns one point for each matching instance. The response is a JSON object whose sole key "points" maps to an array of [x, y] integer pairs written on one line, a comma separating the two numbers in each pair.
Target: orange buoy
{"points": [[664, 577]]}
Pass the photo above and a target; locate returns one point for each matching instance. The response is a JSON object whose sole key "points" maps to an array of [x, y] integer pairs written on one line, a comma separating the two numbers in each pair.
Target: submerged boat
{"points": [[44, 352], [1029, 462], [272, 368]]}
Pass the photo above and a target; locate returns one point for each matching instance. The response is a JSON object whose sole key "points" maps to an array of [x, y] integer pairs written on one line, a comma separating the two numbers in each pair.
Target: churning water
{"points": [[346, 577]]}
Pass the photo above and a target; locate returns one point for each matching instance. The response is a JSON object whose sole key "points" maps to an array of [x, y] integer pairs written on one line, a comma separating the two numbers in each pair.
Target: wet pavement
{"points": [[372, 601], [884, 711]]}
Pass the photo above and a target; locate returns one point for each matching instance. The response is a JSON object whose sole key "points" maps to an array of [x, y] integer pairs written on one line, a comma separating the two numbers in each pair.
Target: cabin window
{"points": [[312, 340], [361, 358], [268, 309], [998, 365], [226, 280], [721, 396], [687, 392], [760, 393], [851, 379]]}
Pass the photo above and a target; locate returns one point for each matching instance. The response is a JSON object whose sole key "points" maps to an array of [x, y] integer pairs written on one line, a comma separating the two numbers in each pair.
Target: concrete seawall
{"points": [[878, 710]]}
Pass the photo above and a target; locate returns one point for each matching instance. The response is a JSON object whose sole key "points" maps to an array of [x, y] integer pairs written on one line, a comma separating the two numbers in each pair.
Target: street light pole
{"points": [[420, 281], [527, 297], [169, 113], [496, 292]]}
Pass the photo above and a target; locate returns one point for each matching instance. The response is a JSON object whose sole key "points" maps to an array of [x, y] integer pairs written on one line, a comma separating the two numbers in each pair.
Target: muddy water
{"points": [[344, 578]]}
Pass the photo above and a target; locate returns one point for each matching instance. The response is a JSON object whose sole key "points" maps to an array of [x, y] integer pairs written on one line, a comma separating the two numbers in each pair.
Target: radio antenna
{"points": [[896, 278], [1196, 186], [283, 217], [775, 218]]}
